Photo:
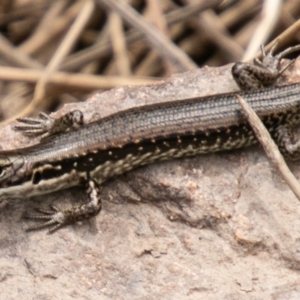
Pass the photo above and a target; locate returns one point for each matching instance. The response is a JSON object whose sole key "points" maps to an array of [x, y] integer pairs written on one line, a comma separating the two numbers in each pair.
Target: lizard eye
{"points": [[10, 164], [3, 171], [5, 167]]}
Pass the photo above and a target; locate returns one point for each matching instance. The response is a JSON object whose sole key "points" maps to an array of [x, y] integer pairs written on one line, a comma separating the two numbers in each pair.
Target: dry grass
{"points": [[53, 52]]}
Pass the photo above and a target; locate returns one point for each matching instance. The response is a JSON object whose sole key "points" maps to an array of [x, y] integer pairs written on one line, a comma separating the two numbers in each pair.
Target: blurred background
{"points": [[55, 52]]}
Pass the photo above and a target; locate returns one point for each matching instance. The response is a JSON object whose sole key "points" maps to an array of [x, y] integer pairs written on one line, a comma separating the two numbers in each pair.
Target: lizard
{"points": [[72, 153]]}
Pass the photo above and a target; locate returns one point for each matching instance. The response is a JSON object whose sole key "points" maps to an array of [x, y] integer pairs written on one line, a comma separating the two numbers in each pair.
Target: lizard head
{"points": [[11, 171]]}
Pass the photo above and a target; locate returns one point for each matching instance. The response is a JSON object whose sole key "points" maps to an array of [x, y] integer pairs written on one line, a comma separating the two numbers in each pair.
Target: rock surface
{"points": [[219, 226]]}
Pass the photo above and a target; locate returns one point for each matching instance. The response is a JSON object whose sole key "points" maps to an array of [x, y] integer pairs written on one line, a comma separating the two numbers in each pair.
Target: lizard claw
{"points": [[52, 218], [36, 126]]}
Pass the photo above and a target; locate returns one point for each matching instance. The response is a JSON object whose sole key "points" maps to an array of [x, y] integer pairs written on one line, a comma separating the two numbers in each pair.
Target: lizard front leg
{"points": [[47, 126], [56, 218]]}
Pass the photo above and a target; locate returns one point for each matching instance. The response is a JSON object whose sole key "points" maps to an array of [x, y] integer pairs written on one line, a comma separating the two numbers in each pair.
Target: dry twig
{"points": [[270, 147]]}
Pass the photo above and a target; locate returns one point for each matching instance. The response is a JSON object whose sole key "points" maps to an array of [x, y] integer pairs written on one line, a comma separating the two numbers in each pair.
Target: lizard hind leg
{"points": [[56, 219], [287, 145], [262, 73]]}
